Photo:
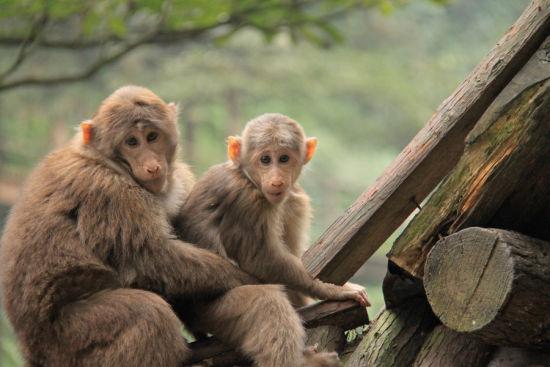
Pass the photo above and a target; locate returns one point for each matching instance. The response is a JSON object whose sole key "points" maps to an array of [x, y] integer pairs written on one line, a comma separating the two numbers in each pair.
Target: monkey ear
{"points": [[174, 107], [234, 148], [311, 145], [87, 131]]}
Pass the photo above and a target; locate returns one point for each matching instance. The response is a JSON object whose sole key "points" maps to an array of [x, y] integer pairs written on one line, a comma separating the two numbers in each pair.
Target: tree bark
{"points": [[395, 336], [445, 347], [492, 283], [516, 357]]}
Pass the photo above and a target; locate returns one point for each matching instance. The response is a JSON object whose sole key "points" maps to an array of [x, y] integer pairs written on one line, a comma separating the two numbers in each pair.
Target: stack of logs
{"points": [[469, 281]]}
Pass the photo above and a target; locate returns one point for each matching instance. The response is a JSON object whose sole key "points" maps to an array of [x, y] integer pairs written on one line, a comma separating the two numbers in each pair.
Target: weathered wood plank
{"points": [[516, 357], [493, 284], [359, 232], [395, 336], [445, 347], [501, 181], [345, 315]]}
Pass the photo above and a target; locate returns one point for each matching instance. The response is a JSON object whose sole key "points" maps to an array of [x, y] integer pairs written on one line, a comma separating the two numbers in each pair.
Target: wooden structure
{"points": [[454, 296]]}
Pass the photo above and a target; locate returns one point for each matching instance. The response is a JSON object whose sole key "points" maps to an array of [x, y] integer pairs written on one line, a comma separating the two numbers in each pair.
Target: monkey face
{"points": [[145, 150], [275, 170]]}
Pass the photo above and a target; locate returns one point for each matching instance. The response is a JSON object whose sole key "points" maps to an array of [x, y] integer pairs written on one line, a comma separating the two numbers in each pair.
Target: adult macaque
{"points": [[252, 210], [88, 249]]}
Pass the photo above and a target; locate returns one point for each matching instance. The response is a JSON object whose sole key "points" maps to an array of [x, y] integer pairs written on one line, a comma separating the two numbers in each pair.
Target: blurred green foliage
{"points": [[364, 98]]}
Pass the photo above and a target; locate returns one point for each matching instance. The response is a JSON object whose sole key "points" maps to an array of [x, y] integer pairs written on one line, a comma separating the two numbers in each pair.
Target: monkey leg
{"points": [[298, 299], [260, 321], [121, 327]]}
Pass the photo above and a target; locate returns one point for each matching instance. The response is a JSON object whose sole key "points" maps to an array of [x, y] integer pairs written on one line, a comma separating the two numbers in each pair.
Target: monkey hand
{"points": [[351, 291], [356, 292]]}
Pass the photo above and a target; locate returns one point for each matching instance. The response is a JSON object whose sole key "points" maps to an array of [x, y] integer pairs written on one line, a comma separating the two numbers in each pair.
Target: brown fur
{"points": [[228, 212], [87, 250]]}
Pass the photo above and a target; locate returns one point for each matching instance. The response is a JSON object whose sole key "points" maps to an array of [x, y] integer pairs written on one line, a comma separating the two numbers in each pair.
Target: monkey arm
{"points": [[272, 265], [181, 269], [133, 235], [198, 232]]}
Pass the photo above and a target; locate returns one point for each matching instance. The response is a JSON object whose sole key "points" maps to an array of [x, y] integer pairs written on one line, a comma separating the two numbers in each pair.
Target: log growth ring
{"points": [[468, 279]]}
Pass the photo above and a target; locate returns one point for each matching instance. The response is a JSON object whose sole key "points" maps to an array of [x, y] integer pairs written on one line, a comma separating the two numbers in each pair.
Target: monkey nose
{"points": [[277, 183], [153, 169]]}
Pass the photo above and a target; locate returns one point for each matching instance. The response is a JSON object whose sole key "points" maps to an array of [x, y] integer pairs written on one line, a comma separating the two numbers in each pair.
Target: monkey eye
{"points": [[132, 141], [152, 136], [265, 159], [284, 158]]}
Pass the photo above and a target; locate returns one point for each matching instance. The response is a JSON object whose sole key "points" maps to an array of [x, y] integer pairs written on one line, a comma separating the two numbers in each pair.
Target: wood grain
{"points": [[493, 284], [445, 347], [395, 336]]}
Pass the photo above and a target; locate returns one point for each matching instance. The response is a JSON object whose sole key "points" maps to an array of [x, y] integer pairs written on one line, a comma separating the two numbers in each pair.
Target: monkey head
{"points": [[137, 130], [271, 153]]}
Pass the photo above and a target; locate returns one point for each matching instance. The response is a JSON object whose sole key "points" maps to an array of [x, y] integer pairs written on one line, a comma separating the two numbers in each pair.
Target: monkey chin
{"points": [[155, 186], [275, 198]]}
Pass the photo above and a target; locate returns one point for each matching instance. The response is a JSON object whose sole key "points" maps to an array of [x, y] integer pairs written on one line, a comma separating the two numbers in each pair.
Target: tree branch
{"points": [[26, 45], [237, 20], [92, 69]]}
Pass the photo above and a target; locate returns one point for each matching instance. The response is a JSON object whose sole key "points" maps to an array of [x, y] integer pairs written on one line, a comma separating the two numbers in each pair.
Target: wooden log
{"points": [[361, 230], [501, 181], [343, 315], [445, 347], [395, 336], [398, 286], [346, 314], [517, 357], [492, 283]]}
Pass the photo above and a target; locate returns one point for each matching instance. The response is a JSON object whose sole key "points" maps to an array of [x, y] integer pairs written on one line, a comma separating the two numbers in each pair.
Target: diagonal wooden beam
{"points": [[378, 212]]}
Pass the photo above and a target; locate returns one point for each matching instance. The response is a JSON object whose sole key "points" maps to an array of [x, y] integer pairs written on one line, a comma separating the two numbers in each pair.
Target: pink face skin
{"points": [[145, 149], [276, 170]]}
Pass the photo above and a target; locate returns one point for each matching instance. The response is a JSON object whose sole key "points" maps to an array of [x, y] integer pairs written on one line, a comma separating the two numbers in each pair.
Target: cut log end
{"points": [[468, 278], [492, 283]]}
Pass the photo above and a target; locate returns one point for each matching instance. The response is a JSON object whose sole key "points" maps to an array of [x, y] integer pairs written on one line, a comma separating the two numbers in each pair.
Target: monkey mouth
{"points": [[155, 185], [275, 197]]}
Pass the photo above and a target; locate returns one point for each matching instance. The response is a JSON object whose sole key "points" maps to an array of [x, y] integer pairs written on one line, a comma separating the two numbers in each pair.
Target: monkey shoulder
{"points": [[108, 207], [182, 173], [180, 184], [221, 184]]}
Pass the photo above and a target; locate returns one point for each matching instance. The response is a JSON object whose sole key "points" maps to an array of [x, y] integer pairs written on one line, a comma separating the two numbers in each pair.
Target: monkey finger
{"points": [[359, 298], [366, 298]]}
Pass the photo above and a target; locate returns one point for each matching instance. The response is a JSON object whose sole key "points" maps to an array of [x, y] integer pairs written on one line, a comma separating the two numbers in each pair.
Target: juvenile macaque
{"points": [[251, 209], [88, 251]]}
